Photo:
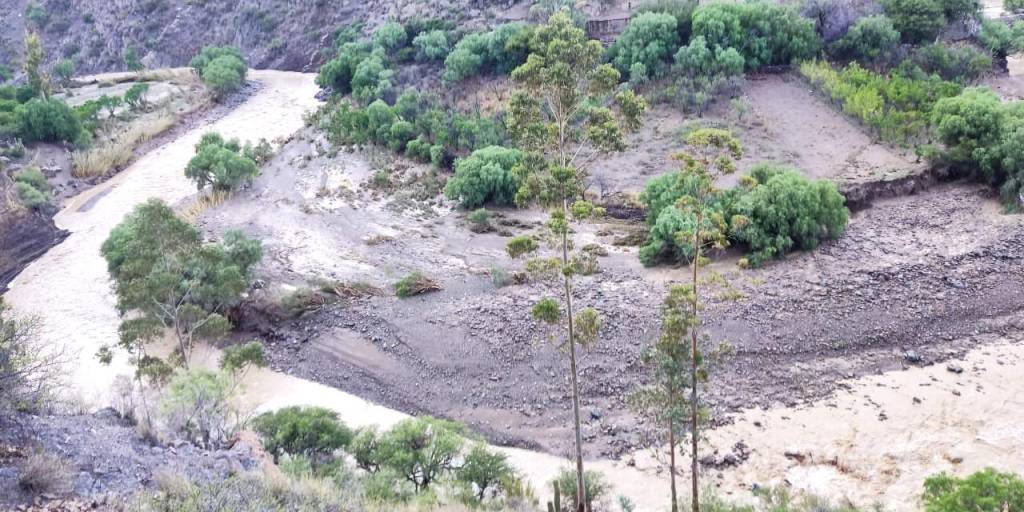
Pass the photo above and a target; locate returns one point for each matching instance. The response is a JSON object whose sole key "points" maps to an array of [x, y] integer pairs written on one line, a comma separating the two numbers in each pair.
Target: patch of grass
{"points": [[415, 284]]}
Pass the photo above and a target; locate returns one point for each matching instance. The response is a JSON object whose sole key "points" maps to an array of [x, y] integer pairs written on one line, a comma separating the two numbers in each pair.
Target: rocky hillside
{"points": [[278, 34]]}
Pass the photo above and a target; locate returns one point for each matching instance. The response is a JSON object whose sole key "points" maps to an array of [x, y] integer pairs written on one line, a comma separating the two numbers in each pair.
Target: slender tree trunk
{"points": [[694, 463], [581, 491], [672, 461]]}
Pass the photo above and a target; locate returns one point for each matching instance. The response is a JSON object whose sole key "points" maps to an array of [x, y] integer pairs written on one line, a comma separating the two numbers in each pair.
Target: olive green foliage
{"points": [[595, 484], [131, 59], [987, 490], [485, 177], [484, 469], [785, 210], [38, 83], [681, 10], [65, 71], [1013, 5], [5, 73], [871, 39], [222, 69], [961, 63], [390, 36], [763, 33], [372, 78], [984, 136], [432, 45], [313, 432], [650, 40], [918, 21], [703, 73], [497, 51], [666, 220], [135, 96], [1001, 39], [32, 188], [337, 73], [436, 134], [421, 450], [166, 278], [47, 121], [220, 164], [37, 14], [896, 105]]}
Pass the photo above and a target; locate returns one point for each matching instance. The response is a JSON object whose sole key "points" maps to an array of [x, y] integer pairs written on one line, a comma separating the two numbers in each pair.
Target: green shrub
{"points": [[224, 75], [959, 63], [65, 71], [390, 36], [5, 73], [132, 61], [594, 485], [198, 403], [31, 196], [497, 51], [421, 449], [1013, 5], [432, 45], [37, 14], [312, 432], [220, 164], [34, 177], [371, 78], [681, 10], [209, 53], [897, 105], [337, 73], [415, 284], [484, 470], [485, 177], [135, 96], [999, 38], [48, 121], [764, 34], [871, 39], [917, 21], [788, 211], [479, 220], [649, 40], [986, 490]]}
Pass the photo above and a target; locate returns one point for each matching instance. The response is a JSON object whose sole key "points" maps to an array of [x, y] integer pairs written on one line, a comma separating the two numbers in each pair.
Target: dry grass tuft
{"points": [[118, 152], [45, 473], [205, 201]]}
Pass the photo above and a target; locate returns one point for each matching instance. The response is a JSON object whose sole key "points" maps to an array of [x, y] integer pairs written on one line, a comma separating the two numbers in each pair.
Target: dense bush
{"points": [[483, 470], [703, 72], [32, 188], [29, 370], [984, 136], [251, 492], [497, 51], [776, 210], [390, 36], [960, 63], [421, 449], [199, 404], [135, 96], [763, 33], [897, 105], [681, 10], [437, 132], [220, 163], [649, 41], [222, 69], [1013, 5], [432, 45], [371, 78], [785, 210], [917, 21], [65, 71], [985, 490], [337, 73], [485, 177], [1001, 39], [594, 485], [871, 39], [48, 121], [313, 432]]}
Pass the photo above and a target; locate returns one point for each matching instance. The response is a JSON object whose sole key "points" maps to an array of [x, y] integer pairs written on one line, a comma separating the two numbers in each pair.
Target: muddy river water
{"points": [[874, 442]]}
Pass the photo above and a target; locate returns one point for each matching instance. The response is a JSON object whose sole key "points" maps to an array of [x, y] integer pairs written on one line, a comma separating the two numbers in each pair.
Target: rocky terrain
{"points": [[285, 35], [104, 458]]}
